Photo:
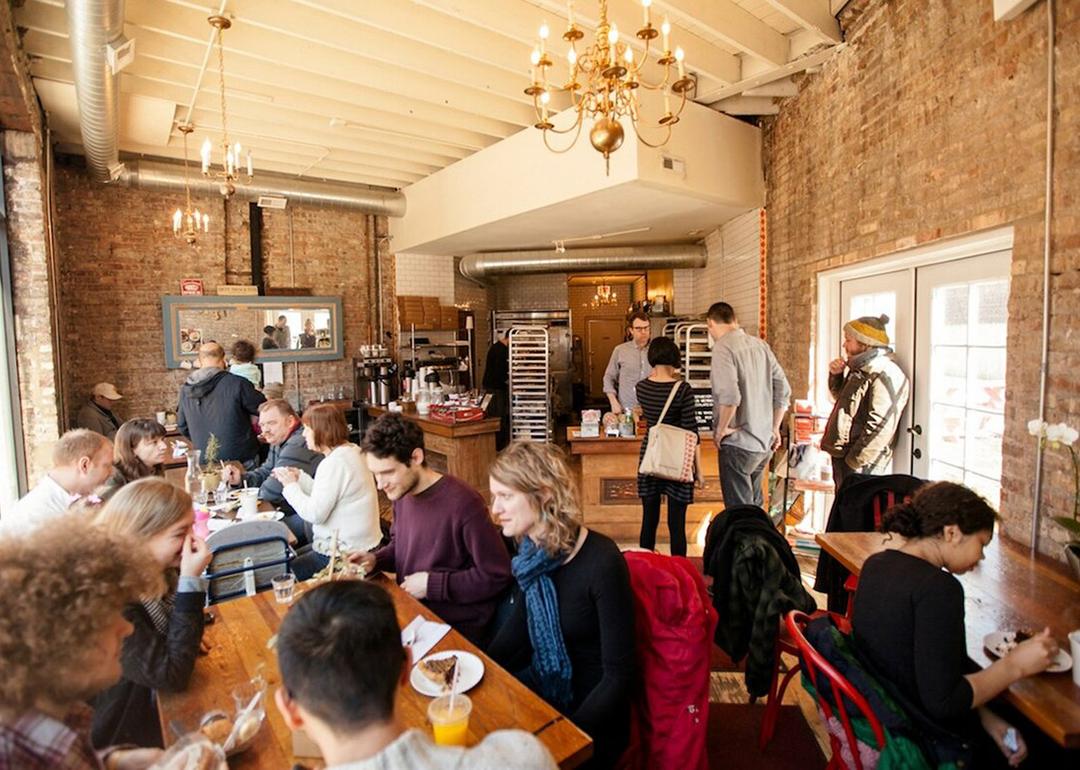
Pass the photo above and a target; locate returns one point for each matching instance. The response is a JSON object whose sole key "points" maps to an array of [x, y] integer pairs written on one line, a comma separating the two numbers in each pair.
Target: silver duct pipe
{"points": [[91, 25], [159, 176], [659, 257]]}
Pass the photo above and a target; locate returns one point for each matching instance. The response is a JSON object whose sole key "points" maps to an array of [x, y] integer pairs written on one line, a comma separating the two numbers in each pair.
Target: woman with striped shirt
{"points": [[652, 393]]}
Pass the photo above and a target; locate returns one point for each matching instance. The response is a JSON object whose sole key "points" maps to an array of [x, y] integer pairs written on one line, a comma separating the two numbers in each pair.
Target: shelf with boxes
{"points": [[427, 314]]}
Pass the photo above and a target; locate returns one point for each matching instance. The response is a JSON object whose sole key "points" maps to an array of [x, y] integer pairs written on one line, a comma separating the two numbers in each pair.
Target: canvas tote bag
{"points": [[671, 451]]}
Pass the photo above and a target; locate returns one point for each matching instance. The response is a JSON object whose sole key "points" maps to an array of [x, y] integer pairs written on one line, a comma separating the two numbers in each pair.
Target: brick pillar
{"points": [[35, 333]]}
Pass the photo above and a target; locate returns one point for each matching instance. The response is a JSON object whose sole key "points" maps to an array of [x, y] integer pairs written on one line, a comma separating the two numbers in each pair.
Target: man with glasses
{"points": [[629, 365]]}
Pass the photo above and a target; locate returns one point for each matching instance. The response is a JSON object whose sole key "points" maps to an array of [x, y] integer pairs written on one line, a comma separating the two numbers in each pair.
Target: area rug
{"points": [[733, 740]]}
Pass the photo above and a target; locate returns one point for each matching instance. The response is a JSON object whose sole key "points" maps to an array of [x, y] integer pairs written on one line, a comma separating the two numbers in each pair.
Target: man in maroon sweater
{"points": [[444, 548]]}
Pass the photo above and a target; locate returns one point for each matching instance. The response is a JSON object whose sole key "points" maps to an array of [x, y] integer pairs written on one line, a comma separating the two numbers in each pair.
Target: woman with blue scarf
{"points": [[570, 633]]}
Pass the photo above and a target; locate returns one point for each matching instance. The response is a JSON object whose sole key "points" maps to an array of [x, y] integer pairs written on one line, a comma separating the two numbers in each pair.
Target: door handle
{"points": [[915, 430]]}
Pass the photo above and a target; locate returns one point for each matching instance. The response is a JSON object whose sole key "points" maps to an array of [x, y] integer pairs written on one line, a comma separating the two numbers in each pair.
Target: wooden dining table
{"points": [[238, 652], [1010, 589]]}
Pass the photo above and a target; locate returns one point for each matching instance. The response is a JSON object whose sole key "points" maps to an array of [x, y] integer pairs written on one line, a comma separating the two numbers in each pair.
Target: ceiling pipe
{"points": [[92, 24], [158, 176], [477, 267]]}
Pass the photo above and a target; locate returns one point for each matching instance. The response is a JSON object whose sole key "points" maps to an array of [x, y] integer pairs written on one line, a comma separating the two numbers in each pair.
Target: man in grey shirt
{"points": [[629, 365], [750, 397]]}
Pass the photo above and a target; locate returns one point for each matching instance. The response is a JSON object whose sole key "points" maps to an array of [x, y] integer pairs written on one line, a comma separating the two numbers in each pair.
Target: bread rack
{"points": [[530, 401]]}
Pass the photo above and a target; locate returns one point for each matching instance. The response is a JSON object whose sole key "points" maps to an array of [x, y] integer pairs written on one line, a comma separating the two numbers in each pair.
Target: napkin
{"points": [[424, 635]]}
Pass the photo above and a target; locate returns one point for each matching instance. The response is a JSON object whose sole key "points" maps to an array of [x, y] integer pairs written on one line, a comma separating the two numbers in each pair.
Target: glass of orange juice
{"points": [[449, 716]]}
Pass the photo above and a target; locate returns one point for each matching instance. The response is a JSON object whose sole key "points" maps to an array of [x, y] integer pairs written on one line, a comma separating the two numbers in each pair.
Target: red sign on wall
{"points": [[191, 286]]}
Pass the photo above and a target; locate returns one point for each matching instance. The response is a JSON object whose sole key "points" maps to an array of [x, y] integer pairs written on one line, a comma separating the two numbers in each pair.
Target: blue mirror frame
{"points": [[172, 305]]}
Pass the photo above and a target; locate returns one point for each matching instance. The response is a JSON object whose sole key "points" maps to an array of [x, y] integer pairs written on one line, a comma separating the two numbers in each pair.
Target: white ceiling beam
{"points": [[521, 20], [816, 15], [342, 33], [735, 26], [278, 48], [747, 105], [782, 88], [245, 73], [769, 75]]}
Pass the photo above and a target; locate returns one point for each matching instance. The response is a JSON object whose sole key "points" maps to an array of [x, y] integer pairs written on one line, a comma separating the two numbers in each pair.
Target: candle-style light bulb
{"points": [[176, 219], [571, 57], [205, 153], [250, 165], [666, 29], [645, 11], [629, 56], [613, 39], [679, 56], [570, 13], [545, 97], [206, 223], [544, 32], [534, 57]]}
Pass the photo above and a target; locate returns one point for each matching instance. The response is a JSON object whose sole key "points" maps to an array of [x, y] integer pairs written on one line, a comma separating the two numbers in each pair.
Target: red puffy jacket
{"points": [[674, 623]]}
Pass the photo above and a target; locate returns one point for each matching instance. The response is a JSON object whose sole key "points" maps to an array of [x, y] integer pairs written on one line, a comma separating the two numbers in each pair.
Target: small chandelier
{"points": [[603, 82], [186, 224], [604, 296], [230, 165]]}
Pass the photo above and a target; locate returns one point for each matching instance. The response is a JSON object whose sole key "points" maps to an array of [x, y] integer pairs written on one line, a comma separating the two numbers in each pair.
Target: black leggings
{"points": [[676, 524]]}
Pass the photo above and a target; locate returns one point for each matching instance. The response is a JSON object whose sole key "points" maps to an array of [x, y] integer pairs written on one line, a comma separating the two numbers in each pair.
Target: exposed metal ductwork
{"points": [[92, 25], [156, 175], [648, 257]]}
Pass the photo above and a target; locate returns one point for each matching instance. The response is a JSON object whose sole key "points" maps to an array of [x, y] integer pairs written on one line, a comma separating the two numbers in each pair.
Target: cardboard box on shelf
{"points": [[448, 318]]}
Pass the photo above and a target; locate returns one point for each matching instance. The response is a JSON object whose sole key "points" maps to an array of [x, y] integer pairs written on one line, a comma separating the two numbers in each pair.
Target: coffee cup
{"points": [[249, 502], [160, 416]]}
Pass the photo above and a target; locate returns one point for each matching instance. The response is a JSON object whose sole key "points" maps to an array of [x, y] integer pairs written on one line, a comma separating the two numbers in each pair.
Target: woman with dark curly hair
{"points": [[908, 621], [61, 631], [160, 654]]}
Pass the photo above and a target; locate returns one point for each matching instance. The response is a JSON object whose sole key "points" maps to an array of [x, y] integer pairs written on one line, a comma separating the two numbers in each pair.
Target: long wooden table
{"points": [[238, 652], [1010, 589]]}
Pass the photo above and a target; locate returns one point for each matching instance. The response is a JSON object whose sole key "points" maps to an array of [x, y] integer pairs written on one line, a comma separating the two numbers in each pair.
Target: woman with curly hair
{"points": [[908, 621], [160, 654], [61, 631], [570, 634]]}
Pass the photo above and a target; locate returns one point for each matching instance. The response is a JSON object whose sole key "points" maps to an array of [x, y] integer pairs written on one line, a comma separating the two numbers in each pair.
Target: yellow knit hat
{"points": [[869, 330]]}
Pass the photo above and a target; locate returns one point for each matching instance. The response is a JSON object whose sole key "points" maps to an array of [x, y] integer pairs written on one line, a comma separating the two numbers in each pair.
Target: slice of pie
{"points": [[440, 670]]}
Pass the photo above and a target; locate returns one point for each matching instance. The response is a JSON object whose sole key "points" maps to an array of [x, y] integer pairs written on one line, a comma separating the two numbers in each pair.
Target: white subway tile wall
{"points": [[532, 292], [732, 273], [426, 275]]}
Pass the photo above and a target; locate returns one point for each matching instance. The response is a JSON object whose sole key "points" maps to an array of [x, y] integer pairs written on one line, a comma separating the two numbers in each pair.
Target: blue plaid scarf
{"points": [[532, 567]]}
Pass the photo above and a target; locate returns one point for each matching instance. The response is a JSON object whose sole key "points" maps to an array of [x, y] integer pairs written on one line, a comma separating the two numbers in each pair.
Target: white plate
{"points": [[1001, 643], [472, 671], [263, 516]]}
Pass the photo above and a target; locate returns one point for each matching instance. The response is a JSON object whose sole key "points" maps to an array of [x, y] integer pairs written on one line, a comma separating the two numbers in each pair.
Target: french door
{"points": [[948, 323]]}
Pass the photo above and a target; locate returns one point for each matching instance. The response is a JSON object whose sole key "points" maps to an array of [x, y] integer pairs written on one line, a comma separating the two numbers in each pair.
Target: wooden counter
{"points": [[607, 472], [465, 450]]}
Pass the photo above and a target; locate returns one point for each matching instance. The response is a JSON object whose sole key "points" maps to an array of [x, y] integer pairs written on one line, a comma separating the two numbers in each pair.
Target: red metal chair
{"points": [[817, 668]]}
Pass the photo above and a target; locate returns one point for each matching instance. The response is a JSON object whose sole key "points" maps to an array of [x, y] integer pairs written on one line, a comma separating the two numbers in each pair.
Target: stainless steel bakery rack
{"points": [[530, 397], [692, 337]]}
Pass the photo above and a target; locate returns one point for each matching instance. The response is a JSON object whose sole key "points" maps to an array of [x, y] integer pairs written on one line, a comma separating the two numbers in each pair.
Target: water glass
{"points": [[221, 495], [284, 585]]}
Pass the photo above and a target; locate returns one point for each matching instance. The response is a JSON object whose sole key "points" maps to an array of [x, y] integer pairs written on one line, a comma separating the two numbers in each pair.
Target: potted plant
{"points": [[210, 477], [1056, 436]]}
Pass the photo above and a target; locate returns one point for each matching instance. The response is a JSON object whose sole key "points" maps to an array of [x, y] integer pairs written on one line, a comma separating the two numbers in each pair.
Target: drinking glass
{"points": [[284, 585], [449, 717]]}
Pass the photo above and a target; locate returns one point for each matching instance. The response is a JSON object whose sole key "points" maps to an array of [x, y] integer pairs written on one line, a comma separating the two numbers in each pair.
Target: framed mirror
{"points": [[280, 328]]}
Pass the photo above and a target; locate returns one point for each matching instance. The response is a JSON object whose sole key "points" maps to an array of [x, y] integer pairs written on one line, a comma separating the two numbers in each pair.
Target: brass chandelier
{"points": [[605, 295], [186, 224], [603, 82], [232, 160]]}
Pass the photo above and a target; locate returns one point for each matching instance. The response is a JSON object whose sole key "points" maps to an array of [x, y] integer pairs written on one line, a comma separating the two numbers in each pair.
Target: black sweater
{"points": [[908, 622], [220, 403], [126, 712], [596, 611]]}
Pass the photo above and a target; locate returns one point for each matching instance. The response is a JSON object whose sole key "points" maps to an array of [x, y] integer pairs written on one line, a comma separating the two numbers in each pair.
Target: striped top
{"points": [[652, 395]]}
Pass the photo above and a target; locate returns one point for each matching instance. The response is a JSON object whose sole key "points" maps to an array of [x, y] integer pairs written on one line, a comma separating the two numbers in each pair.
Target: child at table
{"points": [[160, 653], [908, 621], [342, 663]]}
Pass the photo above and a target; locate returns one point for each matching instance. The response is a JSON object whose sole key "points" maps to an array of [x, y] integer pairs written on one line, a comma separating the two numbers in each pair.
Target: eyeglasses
{"points": [[640, 328]]}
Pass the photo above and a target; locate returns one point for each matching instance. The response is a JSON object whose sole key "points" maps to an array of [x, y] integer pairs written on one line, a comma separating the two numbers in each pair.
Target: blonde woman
{"points": [[570, 633], [160, 653]]}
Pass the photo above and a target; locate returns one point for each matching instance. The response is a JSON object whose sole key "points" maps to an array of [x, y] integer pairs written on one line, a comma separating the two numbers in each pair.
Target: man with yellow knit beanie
{"points": [[870, 399]]}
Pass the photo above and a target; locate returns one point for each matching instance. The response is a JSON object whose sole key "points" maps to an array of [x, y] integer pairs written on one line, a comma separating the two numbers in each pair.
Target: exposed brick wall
{"points": [[118, 258], [930, 124], [34, 334]]}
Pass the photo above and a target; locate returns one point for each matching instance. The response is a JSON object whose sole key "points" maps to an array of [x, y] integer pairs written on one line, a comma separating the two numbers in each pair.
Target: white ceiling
{"points": [[386, 92]]}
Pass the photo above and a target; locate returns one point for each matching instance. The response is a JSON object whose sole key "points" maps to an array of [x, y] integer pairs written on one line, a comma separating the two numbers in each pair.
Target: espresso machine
{"points": [[374, 374]]}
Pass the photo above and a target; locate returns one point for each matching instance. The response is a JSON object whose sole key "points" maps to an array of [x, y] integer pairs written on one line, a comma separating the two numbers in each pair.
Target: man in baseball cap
{"points": [[870, 398], [96, 414]]}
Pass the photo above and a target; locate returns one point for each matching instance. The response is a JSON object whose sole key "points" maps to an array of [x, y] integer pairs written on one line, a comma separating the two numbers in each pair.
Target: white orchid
{"points": [[1037, 428], [1056, 436]]}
